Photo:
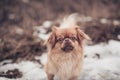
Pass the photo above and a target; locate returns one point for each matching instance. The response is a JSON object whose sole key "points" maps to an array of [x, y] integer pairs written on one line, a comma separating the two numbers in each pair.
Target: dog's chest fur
{"points": [[66, 65]]}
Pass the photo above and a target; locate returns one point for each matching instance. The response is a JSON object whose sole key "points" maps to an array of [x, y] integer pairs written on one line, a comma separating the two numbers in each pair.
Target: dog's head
{"points": [[67, 39]]}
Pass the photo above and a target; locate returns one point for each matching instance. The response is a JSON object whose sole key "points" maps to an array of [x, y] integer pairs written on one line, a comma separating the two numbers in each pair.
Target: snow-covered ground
{"points": [[101, 62]]}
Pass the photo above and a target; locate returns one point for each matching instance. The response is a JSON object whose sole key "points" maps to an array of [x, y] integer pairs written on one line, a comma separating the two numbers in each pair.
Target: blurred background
{"points": [[26, 24]]}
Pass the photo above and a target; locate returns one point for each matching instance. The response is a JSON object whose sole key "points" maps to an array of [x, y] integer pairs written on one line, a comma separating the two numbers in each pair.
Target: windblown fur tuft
{"points": [[70, 21]]}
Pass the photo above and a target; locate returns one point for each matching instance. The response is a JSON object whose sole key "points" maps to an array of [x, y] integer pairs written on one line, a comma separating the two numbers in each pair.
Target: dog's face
{"points": [[66, 40]]}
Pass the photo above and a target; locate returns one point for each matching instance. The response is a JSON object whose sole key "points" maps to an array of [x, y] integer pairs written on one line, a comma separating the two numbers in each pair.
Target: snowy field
{"points": [[101, 62]]}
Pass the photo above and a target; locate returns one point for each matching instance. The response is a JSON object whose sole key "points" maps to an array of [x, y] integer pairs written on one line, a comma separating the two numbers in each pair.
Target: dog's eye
{"points": [[73, 37], [60, 39]]}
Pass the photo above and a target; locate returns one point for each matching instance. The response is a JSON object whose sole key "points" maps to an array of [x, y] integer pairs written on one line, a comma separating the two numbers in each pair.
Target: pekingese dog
{"points": [[65, 53]]}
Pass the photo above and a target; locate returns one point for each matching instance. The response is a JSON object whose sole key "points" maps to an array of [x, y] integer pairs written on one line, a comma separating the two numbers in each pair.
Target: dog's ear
{"points": [[52, 39], [81, 35]]}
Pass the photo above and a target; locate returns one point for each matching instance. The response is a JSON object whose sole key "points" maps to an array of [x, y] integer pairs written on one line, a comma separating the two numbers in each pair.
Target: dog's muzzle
{"points": [[67, 46]]}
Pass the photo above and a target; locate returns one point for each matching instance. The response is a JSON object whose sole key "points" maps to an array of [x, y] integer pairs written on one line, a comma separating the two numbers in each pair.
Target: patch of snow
{"points": [[107, 66], [116, 22], [105, 50], [47, 24], [8, 67], [102, 69], [103, 20], [114, 48], [42, 58], [39, 29], [103, 64], [30, 70], [2, 78], [40, 32], [44, 36], [6, 61]]}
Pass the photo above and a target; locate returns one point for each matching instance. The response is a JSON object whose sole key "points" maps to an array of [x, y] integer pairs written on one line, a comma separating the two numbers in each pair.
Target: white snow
{"points": [[107, 66], [40, 31], [42, 58], [43, 36], [6, 61], [116, 22], [30, 70], [47, 24], [105, 50], [103, 21], [2, 78]]}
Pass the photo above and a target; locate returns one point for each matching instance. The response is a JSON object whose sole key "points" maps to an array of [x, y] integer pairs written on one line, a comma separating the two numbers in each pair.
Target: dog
{"points": [[65, 53]]}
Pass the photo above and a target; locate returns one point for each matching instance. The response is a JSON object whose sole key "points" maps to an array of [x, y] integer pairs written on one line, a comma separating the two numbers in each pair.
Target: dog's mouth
{"points": [[67, 48]]}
